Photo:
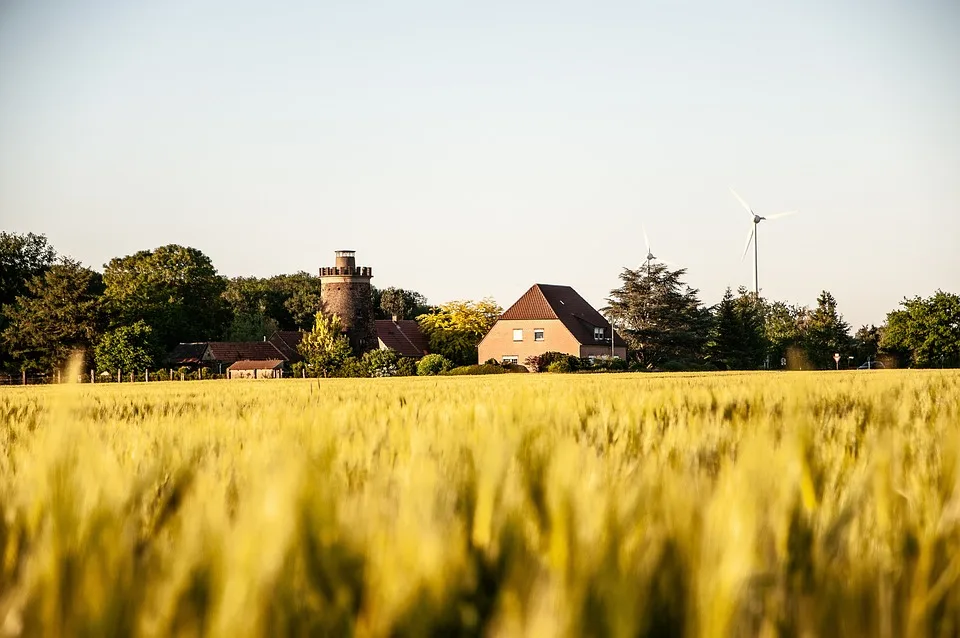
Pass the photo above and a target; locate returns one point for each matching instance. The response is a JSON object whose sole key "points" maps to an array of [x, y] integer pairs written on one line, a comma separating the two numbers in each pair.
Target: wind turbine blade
{"points": [[745, 204], [778, 215], [749, 239], [646, 239]]}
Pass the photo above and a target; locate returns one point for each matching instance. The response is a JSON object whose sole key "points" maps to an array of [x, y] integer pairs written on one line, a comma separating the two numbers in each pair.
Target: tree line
{"points": [[130, 316], [133, 313], [666, 326]]}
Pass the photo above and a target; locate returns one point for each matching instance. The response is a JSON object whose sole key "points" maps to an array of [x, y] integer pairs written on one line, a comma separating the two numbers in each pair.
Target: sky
{"points": [[472, 149]]}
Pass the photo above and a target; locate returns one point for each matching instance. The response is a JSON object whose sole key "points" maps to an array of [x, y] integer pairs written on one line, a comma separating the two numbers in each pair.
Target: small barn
{"points": [[253, 369]]}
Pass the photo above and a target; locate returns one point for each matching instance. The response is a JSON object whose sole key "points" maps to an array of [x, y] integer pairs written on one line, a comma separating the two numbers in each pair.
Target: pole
{"points": [[23, 376], [756, 259], [118, 375]]}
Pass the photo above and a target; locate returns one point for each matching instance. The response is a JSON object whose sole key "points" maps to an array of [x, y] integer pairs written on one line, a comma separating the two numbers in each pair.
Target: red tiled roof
{"points": [[286, 341], [547, 301], [532, 305], [403, 336], [270, 364], [231, 351]]}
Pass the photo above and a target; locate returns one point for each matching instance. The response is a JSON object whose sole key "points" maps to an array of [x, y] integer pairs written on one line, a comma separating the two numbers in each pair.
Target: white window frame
{"points": [[536, 332], [510, 358], [518, 332], [599, 334]]}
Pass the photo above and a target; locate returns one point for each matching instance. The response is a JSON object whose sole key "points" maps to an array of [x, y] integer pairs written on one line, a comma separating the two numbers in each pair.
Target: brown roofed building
{"points": [[287, 342], [403, 336], [269, 369], [223, 353], [549, 318]]}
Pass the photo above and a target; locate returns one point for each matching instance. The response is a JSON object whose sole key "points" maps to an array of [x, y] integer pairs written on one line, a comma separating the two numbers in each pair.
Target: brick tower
{"points": [[345, 290]]}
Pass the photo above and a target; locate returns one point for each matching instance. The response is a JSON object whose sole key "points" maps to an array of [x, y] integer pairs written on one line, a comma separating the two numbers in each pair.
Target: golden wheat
{"points": [[517, 505]]}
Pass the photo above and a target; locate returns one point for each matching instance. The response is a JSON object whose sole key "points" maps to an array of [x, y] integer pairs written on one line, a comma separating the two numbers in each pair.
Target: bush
{"points": [[407, 367], [560, 366], [433, 364], [539, 363], [351, 368], [483, 368], [605, 364], [514, 367], [380, 363]]}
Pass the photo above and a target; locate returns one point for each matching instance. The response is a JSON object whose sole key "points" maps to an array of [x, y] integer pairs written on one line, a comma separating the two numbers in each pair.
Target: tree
{"points": [[926, 332], [783, 331], [400, 303], [866, 343], [325, 348], [59, 314], [737, 339], [22, 257], [299, 300], [455, 328], [659, 316], [825, 332], [251, 301], [174, 289], [127, 348]]}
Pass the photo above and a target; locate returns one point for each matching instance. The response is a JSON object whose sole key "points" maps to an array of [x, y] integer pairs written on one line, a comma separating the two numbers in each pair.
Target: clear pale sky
{"points": [[467, 149]]}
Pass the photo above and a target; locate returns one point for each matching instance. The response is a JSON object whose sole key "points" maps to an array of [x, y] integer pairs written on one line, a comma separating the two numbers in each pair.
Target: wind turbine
{"points": [[755, 221], [650, 256]]}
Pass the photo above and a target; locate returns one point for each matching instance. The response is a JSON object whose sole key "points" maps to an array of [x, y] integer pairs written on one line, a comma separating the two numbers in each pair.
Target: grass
{"points": [[790, 504]]}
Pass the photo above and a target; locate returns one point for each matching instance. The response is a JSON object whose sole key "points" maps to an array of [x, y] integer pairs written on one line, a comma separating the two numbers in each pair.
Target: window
{"points": [[511, 358], [518, 334], [598, 334], [538, 334]]}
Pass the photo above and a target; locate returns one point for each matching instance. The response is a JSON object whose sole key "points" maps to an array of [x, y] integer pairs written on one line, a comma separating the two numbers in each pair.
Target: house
{"points": [[250, 369], [287, 342], [403, 336], [219, 355], [549, 318]]}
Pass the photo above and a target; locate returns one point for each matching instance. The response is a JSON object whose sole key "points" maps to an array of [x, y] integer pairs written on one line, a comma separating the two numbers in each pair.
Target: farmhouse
{"points": [[220, 355], [549, 318], [403, 336]]}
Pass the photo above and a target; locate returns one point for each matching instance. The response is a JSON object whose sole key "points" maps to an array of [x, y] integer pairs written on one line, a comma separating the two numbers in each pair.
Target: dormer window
{"points": [[598, 334]]}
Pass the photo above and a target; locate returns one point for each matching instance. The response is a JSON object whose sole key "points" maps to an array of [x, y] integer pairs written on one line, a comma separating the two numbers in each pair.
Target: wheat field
{"points": [[781, 504]]}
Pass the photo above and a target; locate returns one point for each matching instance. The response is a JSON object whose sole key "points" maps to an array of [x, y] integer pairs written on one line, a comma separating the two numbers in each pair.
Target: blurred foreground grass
{"points": [[806, 504]]}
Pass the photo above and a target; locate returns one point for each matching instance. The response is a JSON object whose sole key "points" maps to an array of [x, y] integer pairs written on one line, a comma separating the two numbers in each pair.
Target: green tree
{"points": [[455, 328], [326, 347], [400, 303], [825, 332], [866, 343], [926, 332], [174, 289], [737, 339], [783, 331], [60, 313], [296, 300], [127, 348], [22, 257], [660, 317]]}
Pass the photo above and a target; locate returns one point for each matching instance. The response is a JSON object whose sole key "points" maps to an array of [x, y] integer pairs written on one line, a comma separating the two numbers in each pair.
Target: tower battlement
{"points": [[346, 291], [355, 271]]}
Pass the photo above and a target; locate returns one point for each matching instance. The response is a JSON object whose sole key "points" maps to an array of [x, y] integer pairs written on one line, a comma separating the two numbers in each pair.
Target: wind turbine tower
{"points": [[752, 237]]}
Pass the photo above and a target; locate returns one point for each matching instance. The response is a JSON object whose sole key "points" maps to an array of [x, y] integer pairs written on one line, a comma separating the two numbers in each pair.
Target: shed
{"points": [[256, 369]]}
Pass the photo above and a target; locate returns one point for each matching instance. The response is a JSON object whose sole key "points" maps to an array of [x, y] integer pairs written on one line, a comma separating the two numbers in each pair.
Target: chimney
{"points": [[394, 318]]}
